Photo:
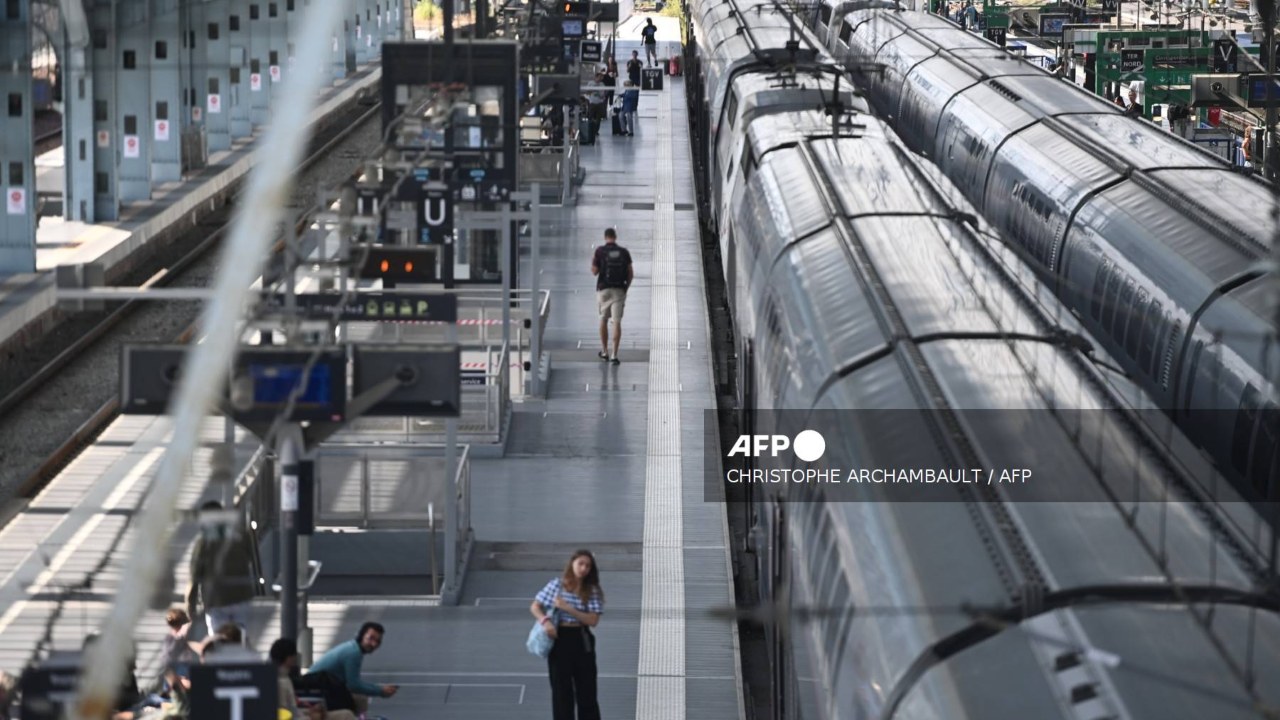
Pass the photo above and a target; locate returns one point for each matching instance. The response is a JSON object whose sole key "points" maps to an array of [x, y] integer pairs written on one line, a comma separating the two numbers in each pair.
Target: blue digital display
{"points": [[1051, 25], [573, 28], [272, 384], [1258, 92]]}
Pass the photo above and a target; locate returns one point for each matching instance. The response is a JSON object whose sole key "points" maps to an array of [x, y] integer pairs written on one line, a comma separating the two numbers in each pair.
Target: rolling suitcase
{"points": [[617, 124], [586, 136]]}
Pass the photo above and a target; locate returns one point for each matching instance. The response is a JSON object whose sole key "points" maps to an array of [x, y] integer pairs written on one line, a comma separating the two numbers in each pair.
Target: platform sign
{"points": [[233, 692], [428, 379], [372, 306], [132, 147], [104, 138], [473, 377], [996, 35], [1131, 60], [592, 51], [1224, 56], [162, 131], [274, 71], [15, 201], [255, 82], [46, 691], [651, 79], [215, 104], [1111, 6]]}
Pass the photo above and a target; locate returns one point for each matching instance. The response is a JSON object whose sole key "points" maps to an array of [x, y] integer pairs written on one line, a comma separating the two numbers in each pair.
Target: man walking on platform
{"points": [[633, 68], [611, 264], [649, 33]]}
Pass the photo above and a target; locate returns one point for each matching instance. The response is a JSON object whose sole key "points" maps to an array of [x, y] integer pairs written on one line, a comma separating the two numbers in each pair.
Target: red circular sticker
{"points": [[15, 196]]}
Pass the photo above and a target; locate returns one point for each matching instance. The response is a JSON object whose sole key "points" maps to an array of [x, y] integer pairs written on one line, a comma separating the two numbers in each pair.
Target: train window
{"points": [[1246, 423], [825, 13], [1151, 319], [15, 104], [1191, 375], [1099, 284], [1134, 323], [846, 32], [1174, 338], [748, 163], [1123, 308], [733, 108], [1111, 299]]}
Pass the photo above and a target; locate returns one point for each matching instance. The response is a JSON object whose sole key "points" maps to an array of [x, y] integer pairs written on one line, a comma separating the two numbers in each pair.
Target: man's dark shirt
{"points": [[599, 259], [650, 34], [633, 70]]}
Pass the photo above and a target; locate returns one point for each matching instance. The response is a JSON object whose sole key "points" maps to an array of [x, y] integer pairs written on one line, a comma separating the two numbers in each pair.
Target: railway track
{"points": [[69, 394]]}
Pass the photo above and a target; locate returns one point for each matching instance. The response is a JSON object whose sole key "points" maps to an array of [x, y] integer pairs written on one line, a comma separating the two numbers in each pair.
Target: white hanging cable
{"points": [[251, 235]]}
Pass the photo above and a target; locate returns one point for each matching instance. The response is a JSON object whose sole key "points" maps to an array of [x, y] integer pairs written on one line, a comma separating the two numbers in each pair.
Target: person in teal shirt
{"points": [[344, 662]]}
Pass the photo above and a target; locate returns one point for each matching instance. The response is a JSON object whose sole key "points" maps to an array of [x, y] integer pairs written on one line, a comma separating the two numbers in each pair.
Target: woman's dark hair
{"points": [[590, 584], [366, 628], [282, 650]]}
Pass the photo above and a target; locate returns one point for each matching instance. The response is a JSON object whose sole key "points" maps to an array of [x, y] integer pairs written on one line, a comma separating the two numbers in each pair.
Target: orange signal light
{"points": [[385, 266], [408, 266]]}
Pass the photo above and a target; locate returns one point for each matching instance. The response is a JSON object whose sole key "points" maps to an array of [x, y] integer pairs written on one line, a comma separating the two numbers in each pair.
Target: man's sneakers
{"points": [[603, 356]]}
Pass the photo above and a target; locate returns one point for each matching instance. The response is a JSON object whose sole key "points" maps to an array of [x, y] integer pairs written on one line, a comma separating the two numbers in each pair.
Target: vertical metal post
{"points": [[451, 499], [287, 452], [535, 312], [506, 275]]}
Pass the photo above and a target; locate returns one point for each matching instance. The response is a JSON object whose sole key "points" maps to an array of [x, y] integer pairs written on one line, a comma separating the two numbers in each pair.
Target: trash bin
{"points": [[673, 65]]}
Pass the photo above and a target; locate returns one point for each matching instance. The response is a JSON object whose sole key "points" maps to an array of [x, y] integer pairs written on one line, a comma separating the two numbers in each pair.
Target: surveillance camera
{"points": [[1216, 87]]}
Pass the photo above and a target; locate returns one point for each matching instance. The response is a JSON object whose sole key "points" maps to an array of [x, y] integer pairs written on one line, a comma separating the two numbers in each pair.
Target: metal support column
{"points": [[344, 49], [366, 31], [237, 100], [535, 309], [214, 44], [77, 125], [389, 11], [288, 450], [164, 137], [104, 179], [279, 49], [17, 161], [258, 84], [131, 104]]}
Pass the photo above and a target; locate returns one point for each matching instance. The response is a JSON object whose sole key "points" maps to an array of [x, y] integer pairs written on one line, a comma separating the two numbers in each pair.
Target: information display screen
{"points": [[573, 28]]}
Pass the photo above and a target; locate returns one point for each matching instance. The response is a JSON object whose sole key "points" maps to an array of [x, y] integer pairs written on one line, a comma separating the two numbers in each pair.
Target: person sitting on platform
{"points": [[345, 661]]}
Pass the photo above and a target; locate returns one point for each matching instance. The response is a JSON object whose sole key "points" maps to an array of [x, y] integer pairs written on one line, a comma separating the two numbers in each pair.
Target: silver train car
{"points": [[863, 279], [1153, 243]]}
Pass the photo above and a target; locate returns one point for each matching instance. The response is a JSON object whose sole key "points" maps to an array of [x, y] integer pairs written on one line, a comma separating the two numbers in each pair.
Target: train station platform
{"points": [[27, 302], [610, 459]]}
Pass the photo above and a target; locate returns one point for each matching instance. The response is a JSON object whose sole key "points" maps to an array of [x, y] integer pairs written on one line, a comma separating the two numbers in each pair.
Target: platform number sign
{"points": [[1131, 60], [997, 35], [1111, 6], [233, 692], [592, 51], [1224, 56], [46, 691]]}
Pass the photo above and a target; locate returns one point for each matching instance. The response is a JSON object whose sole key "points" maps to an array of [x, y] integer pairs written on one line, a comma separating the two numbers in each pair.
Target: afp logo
{"points": [[809, 445]]}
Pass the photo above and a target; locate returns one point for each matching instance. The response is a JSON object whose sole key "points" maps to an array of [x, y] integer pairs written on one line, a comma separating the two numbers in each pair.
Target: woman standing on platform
{"points": [[569, 606]]}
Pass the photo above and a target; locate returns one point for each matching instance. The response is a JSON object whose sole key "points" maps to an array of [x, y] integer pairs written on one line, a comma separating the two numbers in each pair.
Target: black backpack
{"points": [[615, 267]]}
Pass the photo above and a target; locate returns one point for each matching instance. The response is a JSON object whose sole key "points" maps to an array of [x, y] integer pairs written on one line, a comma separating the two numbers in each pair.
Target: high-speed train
{"points": [[1157, 246], [870, 303]]}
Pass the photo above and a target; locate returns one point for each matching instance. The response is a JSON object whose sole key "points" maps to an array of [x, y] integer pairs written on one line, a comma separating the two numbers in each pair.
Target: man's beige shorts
{"points": [[611, 302]]}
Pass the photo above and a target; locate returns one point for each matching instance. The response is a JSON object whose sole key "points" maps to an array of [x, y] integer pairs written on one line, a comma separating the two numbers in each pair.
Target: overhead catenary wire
{"points": [[250, 237]]}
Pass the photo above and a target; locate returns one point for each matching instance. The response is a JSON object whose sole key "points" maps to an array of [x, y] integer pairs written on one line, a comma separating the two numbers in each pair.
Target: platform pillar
{"points": [[213, 89], [279, 49], [238, 102], [344, 44], [17, 148], [365, 32], [256, 85], [164, 136], [131, 104]]}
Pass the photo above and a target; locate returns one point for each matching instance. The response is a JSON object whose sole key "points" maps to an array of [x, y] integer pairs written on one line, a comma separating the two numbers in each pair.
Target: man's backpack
{"points": [[615, 267]]}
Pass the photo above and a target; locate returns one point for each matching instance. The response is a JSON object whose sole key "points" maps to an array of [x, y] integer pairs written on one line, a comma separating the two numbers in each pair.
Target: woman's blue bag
{"points": [[539, 642]]}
